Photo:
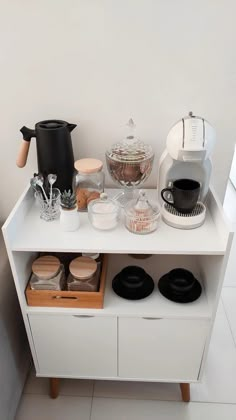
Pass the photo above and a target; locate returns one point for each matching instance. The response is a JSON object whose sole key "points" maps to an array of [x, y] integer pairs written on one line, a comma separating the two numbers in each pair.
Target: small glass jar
{"points": [[89, 181], [104, 213], [141, 215]]}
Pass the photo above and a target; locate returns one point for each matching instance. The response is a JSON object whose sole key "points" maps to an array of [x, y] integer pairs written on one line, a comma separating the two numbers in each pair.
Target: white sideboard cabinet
{"points": [[153, 339]]}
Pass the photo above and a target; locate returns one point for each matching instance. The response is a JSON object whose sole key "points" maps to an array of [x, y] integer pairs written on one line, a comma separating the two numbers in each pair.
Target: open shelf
{"points": [[154, 305], [27, 232]]}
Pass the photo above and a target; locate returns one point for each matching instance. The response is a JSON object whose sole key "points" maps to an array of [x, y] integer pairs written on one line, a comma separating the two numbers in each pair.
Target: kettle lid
{"points": [[51, 124]]}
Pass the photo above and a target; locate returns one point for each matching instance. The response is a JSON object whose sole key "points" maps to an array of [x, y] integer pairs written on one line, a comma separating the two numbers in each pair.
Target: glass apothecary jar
{"points": [[142, 216], [88, 182], [129, 163]]}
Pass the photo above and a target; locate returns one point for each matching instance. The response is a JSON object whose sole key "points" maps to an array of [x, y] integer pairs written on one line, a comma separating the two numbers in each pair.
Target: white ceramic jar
{"points": [[69, 219]]}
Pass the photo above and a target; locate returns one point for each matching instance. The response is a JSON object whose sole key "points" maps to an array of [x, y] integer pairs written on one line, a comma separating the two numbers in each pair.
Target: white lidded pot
{"points": [[104, 213], [69, 219]]}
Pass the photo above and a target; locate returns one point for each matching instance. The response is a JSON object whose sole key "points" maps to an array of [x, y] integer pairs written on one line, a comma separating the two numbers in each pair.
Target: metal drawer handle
{"points": [[83, 316], [151, 318]]}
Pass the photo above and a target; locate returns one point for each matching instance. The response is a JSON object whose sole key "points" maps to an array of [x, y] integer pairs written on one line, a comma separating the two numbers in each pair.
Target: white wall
{"points": [[98, 62]]}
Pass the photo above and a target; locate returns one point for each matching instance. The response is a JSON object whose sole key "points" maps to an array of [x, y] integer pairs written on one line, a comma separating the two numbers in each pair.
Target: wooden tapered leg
{"points": [[185, 391], [54, 387]]}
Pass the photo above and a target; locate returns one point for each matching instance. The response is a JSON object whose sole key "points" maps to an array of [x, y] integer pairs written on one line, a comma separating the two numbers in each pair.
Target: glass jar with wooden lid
{"points": [[83, 275], [89, 181], [47, 273]]}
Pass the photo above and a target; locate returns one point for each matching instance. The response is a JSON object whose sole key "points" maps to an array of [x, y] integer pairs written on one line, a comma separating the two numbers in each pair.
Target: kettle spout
{"points": [[71, 127]]}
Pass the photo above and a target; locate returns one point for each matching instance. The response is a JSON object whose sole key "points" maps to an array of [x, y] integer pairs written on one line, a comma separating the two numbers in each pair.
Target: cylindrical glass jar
{"points": [[89, 181]]}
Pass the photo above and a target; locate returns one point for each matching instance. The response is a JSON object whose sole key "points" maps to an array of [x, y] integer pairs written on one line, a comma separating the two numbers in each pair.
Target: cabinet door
{"points": [[161, 349], [76, 346]]}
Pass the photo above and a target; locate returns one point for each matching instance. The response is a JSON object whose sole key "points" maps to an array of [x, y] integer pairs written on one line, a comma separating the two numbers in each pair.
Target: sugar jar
{"points": [[89, 181], [142, 215], [104, 213]]}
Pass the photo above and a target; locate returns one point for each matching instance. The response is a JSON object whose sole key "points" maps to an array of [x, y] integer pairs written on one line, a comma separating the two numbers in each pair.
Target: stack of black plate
{"points": [[179, 285], [133, 283]]}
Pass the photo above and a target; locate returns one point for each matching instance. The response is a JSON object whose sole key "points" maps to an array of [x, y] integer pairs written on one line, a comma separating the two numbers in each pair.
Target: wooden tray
{"points": [[69, 299]]}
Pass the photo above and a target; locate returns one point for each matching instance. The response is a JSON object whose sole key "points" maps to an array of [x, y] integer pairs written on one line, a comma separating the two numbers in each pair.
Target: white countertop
{"points": [[33, 234]]}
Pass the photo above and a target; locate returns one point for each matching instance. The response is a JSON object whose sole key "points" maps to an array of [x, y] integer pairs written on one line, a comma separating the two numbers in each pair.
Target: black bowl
{"points": [[132, 271], [181, 280], [180, 286], [133, 283]]}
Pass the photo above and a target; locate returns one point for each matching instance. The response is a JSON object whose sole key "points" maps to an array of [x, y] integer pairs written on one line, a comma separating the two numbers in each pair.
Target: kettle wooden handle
{"points": [[23, 153]]}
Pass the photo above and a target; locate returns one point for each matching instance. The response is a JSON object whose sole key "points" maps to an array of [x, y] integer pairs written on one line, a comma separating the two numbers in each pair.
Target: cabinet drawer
{"points": [[164, 349], [74, 345]]}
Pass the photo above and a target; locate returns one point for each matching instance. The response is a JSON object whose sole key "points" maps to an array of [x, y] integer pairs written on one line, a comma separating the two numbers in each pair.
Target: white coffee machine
{"points": [[187, 155]]}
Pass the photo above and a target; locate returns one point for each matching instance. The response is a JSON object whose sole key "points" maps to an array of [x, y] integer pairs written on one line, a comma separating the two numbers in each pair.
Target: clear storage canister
{"points": [[104, 213], [47, 274], [89, 181], [83, 275]]}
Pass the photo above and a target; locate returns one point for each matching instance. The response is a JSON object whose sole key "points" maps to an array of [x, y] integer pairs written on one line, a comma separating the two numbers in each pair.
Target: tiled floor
{"points": [[214, 398]]}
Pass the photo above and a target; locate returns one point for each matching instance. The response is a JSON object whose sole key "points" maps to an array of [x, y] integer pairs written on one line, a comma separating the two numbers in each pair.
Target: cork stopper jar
{"points": [[89, 181]]}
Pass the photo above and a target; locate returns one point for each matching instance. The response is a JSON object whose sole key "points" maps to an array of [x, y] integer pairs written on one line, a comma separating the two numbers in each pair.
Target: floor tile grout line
{"points": [[91, 408], [143, 400], [60, 395], [168, 401], [133, 399], [226, 315]]}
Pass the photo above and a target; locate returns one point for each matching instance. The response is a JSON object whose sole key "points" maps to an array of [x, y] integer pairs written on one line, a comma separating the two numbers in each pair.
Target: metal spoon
{"points": [[33, 184], [39, 181], [51, 179]]}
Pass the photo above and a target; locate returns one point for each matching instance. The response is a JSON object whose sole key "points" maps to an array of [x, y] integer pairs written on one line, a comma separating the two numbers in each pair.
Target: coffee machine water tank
{"points": [[191, 139], [189, 145]]}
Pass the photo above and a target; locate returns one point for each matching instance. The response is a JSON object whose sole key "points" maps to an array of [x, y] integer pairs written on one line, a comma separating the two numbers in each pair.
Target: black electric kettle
{"points": [[54, 150]]}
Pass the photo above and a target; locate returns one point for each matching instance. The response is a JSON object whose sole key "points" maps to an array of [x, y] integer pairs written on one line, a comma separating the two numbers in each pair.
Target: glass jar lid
{"points": [[130, 149], [46, 267], [83, 267], [103, 205], [141, 207], [88, 165]]}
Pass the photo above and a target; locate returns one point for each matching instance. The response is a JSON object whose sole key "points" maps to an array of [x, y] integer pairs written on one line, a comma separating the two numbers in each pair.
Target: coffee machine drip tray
{"points": [[184, 220]]}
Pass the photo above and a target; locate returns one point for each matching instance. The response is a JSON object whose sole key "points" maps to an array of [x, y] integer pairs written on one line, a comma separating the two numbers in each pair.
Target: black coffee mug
{"points": [[181, 280], [185, 194], [132, 276]]}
